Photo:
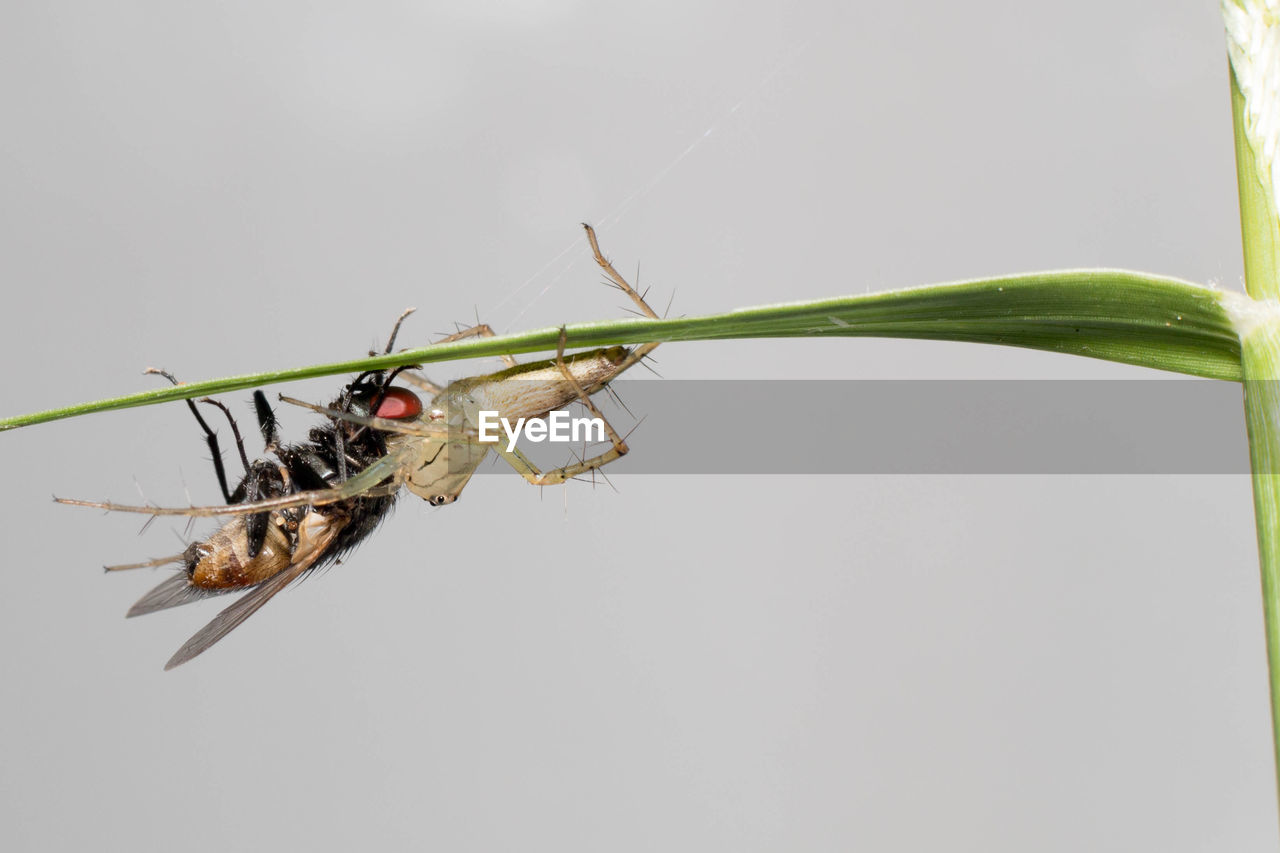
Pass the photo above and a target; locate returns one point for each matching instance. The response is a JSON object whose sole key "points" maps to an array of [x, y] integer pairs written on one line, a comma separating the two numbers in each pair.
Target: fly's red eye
{"points": [[399, 404]]}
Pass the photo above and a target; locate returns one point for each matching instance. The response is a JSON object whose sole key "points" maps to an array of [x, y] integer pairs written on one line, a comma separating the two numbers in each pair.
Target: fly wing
{"points": [[173, 592], [315, 545]]}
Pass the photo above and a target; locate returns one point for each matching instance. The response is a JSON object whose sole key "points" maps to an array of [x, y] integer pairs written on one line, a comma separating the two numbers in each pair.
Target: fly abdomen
{"points": [[222, 561]]}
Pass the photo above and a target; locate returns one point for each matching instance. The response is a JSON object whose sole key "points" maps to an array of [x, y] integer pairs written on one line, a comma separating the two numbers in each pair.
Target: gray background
{"points": [[690, 662]]}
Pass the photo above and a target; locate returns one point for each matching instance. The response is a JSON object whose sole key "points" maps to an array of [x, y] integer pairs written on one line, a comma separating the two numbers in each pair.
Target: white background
{"points": [[817, 663]]}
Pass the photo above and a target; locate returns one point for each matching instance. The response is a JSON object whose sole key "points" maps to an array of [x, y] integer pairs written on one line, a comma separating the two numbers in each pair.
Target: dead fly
{"points": [[267, 550], [317, 500]]}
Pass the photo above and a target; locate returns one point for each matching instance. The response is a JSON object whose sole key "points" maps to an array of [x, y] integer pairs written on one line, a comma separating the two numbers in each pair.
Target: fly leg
{"points": [[211, 437], [395, 330], [258, 477], [262, 479]]}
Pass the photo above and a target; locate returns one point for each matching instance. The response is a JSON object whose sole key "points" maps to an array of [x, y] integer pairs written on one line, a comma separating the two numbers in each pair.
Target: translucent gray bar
{"points": [[922, 427]]}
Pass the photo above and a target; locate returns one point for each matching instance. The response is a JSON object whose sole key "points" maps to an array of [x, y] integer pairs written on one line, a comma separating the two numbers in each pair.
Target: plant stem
{"points": [[1261, 360], [1260, 364]]}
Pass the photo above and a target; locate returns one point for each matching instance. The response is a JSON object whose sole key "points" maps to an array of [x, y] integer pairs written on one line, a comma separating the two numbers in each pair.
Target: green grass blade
{"points": [[1123, 316]]}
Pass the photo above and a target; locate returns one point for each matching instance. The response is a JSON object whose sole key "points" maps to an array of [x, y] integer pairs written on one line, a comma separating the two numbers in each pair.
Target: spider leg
{"points": [[480, 330], [422, 382], [389, 467], [148, 564], [616, 279]]}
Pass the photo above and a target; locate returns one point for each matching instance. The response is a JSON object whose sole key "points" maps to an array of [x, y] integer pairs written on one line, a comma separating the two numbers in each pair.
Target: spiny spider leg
{"points": [[480, 330], [149, 564], [621, 283], [389, 467]]}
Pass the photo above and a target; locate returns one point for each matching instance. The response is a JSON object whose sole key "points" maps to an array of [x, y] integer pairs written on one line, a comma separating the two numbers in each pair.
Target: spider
{"points": [[318, 499]]}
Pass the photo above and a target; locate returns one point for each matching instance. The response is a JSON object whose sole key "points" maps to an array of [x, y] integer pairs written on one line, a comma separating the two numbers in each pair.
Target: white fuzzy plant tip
{"points": [[1253, 42]]}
